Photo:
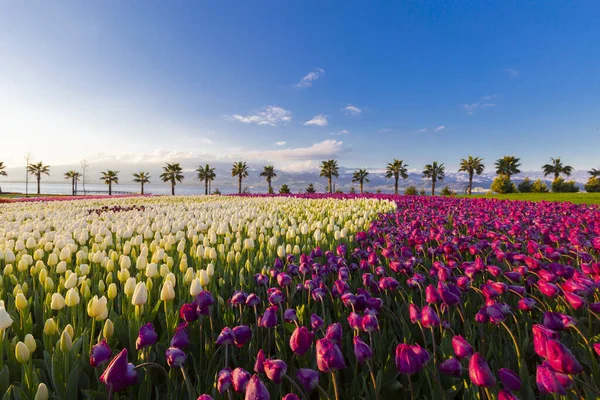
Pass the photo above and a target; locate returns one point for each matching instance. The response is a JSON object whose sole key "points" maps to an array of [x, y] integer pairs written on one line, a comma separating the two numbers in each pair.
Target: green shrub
{"points": [[446, 191], [216, 192], [352, 190], [411, 191], [284, 189], [311, 189], [502, 184], [559, 185], [422, 192], [526, 186], [592, 185], [539, 186]]}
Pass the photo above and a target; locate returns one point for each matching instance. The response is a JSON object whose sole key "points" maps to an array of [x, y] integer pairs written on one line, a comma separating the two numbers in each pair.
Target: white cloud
{"points": [[303, 166], [385, 130], [308, 79], [470, 109], [422, 130], [340, 133], [270, 115], [513, 73], [317, 120], [281, 143], [489, 97], [156, 156], [439, 128], [352, 110], [324, 149]]}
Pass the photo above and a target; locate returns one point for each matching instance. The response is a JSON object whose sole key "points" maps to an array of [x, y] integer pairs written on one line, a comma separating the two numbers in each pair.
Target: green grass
{"points": [[19, 195], [578, 198]]}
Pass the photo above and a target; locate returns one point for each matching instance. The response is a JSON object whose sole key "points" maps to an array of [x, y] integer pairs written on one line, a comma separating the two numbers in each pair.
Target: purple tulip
{"points": [[301, 340], [329, 356], [180, 339], [431, 295], [252, 300], [269, 318], [290, 396], [370, 323], [238, 298], [224, 381], [479, 371], [509, 379], [242, 335], [547, 381], [308, 379], [204, 397], [429, 317], [355, 321], [541, 336], [189, 312], [561, 359], [597, 348], [362, 351], [334, 333], [275, 369], [289, 315], [259, 364], [316, 322], [204, 299], [226, 337], [414, 313], [146, 337], [100, 354], [175, 357], [506, 395], [256, 390], [261, 279], [451, 367], [527, 304], [119, 374], [410, 359], [240, 378]]}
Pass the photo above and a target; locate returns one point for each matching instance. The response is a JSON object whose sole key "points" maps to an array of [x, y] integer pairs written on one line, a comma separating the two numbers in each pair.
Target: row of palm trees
{"points": [[173, 173]]}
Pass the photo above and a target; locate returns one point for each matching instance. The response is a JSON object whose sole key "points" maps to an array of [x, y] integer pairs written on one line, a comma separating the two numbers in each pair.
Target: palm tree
{"points": [[206, 174], [269, 173], [142, 178], [508, 165], [435, 172], [173, 174], [2, 171], [556, 168], [37, 170], [594, 173], [211, 177], [329, 169], [396, 169], [240, 169], [361, 177], [109, 177], [471, 165], [74, 177]]}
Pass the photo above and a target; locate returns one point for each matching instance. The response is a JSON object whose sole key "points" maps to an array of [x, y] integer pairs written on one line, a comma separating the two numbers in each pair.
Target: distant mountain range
{"points": [[297, 181]]}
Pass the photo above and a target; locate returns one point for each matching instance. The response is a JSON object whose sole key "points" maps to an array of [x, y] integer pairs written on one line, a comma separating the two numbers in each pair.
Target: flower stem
{"points": [[410, 386], [188, 385], [335, 388], [374, 381]]}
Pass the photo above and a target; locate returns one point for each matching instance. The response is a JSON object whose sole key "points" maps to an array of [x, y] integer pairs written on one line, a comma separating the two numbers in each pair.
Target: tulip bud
{"points": [[72, 299], [50, 327], [5, 319], [58, 302], [65, 342], [140, 295], [21, 301], [42, 392], [22, 353], [108, 329], [195, 287], [30, 343], [167, 292]]}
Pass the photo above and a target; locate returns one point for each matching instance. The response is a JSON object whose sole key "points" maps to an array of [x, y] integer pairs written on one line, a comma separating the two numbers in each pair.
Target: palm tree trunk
{"points": [[270, 188], [39, 178], [142, 188], [433, 187], [470, 183], [556, 175], [396, 186], [205, 186], [361, 187], [330, 186], [240, 184], [73, 187], [109, 188], [172, 188], [209, 187]]}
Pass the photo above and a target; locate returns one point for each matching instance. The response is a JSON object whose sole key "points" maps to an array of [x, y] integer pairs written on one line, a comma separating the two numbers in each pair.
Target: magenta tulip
{"points": [[329, 356], [479, 371]]}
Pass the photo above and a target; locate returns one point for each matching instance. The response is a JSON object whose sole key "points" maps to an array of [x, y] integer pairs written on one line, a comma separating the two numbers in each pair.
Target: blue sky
{"points": [[140, 81]]}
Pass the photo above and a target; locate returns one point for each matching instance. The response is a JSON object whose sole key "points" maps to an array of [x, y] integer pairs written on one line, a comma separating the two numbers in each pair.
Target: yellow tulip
{"points": [[22, 353]]}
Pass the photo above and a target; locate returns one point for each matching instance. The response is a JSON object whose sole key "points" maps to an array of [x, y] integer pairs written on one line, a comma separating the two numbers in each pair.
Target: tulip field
{"points": [[299, 297]]}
